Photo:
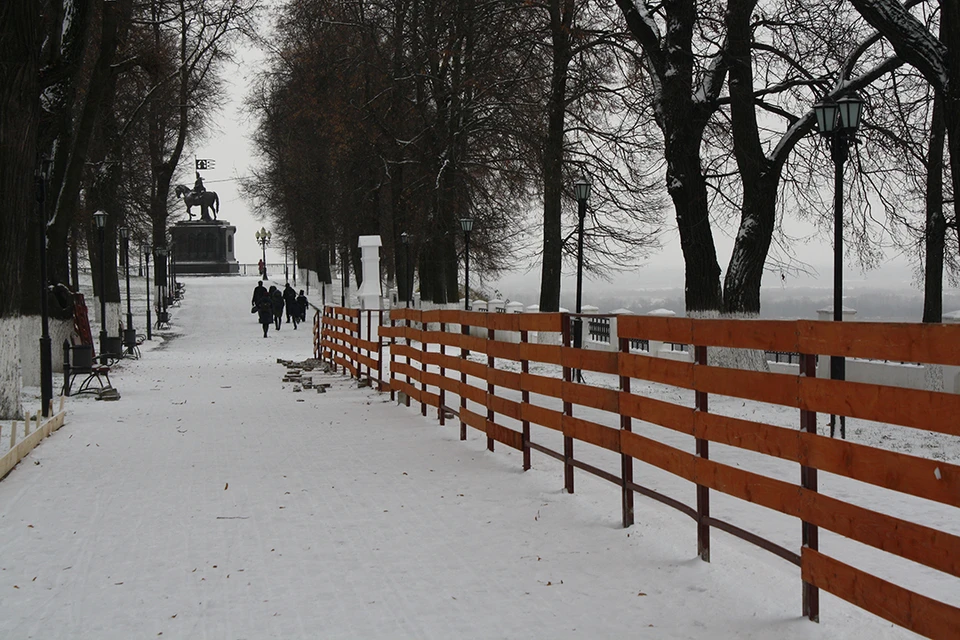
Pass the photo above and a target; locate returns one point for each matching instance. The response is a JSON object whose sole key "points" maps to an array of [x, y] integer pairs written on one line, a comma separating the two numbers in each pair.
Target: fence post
{"points": [[369, 339], [703, 450], [379, 351], [525, 399], [443, 395], [808, 480], [567, 410], [465, 331], [393, 359], [626, 462], [356, 351], [491, 365], [423, 366], [409, 348]]}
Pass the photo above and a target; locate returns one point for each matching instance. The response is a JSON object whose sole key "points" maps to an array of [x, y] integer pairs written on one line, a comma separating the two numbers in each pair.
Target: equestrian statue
{"points": [[199, 196]]}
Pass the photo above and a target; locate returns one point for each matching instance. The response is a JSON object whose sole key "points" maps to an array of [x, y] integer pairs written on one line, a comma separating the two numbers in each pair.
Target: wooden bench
{"points": [[78, 361]]}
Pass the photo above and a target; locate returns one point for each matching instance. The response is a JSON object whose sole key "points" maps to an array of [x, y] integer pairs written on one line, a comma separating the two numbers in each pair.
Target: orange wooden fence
{"points": [[341, 343]]}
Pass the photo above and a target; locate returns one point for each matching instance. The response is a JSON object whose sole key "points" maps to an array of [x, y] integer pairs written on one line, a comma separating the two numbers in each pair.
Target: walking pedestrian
{"points": [[302, 302], [290, 299], [260, 268], [277, 299], [259, 293], [265, 312]]}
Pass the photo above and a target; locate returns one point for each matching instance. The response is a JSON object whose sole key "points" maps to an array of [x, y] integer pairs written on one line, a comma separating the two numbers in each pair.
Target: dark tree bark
{"points": [[19, 122], [682, 117], [935, 231], [938, 60], [561, 19], [76, 156]]}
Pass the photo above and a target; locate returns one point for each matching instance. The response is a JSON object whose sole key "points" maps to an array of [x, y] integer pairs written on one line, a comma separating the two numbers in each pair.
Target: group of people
{"points": [[270, 304]]}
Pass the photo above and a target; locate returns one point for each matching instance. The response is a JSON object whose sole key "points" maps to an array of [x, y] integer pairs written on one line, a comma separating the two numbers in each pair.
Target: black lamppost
{"points": [[263, 238], [46, 358], [145, 254], [286, 270], [129, 333], [172, 250], [405, 239], [160, 275], [581, 190], [838, 122], [100, 218], [467, 225]]}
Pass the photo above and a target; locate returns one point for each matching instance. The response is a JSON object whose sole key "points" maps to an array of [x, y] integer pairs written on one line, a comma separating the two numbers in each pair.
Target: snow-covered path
{"points": [[213, 502]]}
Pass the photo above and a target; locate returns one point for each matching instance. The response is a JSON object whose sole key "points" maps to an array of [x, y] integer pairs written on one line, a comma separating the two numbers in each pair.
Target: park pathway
{"points": [[212, 501]]}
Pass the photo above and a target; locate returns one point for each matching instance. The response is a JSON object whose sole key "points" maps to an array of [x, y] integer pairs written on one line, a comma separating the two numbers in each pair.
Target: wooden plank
{"points": [[762, 386], [546, 353], [473, 393], [365, 360], [403, 350], [541, 385], [541, 415], [473, 343], [768, 335], [501, 378], [659, 412], [404, 369], [502, 434], [914, 408], [679, 330], [368, 345], [936, 549], [589, 360], [503, 321], [409, 389], [596, 397], [913, 475], [450, 316], [907, 342], [505, 350], [471, 368], [430, 315], [541, 322], [474, 420], [506, 407], [918, 613], [679, 463], [431, 399], [644, 367], [591, 432]]}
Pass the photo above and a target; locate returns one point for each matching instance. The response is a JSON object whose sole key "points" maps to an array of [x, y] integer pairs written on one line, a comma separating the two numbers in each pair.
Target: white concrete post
{"points": [[369, 292]]}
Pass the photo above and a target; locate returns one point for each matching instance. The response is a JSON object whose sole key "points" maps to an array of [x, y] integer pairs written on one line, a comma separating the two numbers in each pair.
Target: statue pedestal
{"points": [[204, 247]]}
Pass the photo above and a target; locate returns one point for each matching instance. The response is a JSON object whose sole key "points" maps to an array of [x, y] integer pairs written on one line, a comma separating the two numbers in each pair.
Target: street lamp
{"points": [[145, 254], [46, 359], [467, 225], [405, 239], [100, 218], [838, 122], [581, 190], [286, 270], [263, 238], [129, 333], [160, 275]]}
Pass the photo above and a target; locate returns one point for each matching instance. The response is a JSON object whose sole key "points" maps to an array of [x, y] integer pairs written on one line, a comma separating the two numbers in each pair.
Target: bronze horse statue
{"points": [[206, 200]]}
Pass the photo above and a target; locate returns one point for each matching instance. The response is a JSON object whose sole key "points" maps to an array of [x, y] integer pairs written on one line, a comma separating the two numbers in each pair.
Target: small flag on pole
{"points": [[205, 163]]}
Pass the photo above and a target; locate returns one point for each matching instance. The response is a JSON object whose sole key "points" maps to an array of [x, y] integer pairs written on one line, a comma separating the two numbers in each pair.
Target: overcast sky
{"points": [[229, 145]]}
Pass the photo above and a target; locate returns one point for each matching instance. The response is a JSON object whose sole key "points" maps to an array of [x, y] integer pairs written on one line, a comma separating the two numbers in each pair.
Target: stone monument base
{"points": [[204, 247]]}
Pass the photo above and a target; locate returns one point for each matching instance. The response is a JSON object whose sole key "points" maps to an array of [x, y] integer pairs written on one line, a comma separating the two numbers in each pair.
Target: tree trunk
{"points": [[935, 230], [561, 12], [19, 122], [758, 178]]}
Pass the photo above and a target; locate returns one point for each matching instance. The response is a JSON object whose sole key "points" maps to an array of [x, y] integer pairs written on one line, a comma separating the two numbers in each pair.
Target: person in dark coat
{"points": [[277, 299], [293, 308], [259, 293], [302, 301], [265, 312]]}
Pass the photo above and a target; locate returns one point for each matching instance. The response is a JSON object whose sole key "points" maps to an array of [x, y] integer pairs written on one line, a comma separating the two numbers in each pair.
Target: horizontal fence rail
{"points": [[441, 352]]}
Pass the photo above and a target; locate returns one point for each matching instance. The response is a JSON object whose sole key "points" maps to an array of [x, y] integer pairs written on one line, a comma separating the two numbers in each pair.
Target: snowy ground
{"points": [[213, 501]]}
